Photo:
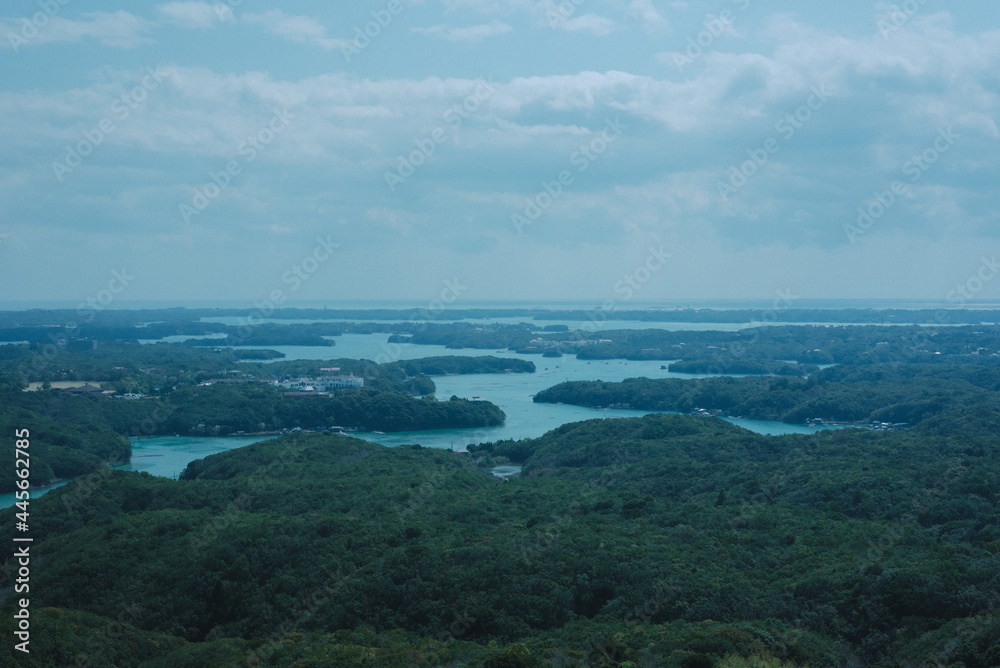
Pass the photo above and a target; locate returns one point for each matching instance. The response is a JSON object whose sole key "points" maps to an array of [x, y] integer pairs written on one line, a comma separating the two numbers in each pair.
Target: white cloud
{"points": [[195, 14], [488, 7], [299, 29], [210, 112], [679, 133], [644, 11], [542, 130], [588, 23], [474, 33], [119, 29]]}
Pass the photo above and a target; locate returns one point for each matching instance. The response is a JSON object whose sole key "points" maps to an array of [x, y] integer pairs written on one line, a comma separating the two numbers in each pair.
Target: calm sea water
{"points": [[164, 456], [376, 347], [167, 456]]}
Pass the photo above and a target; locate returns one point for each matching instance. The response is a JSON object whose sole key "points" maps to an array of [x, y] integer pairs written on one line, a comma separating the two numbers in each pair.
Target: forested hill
{"points": [[75, 435], [655, 541], [941, 397]]}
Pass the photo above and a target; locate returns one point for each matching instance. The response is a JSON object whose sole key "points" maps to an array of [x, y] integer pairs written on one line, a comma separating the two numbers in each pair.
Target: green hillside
{"points": [[666, 540]]}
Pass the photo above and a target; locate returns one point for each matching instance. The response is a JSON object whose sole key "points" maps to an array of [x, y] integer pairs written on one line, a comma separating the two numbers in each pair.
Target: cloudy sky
{"points": [[521, 149]]}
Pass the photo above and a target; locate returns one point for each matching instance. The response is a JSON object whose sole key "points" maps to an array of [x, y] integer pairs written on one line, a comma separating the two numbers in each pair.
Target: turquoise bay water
{"points": [[164, 456], [8, 500], [584, 325], [167, 456], [514, 392], [377, 348]]}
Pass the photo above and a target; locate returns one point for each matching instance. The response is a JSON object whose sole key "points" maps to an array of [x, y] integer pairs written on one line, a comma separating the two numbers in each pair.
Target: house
{"points": [[351, 380], [296, 384], [322, 384]]}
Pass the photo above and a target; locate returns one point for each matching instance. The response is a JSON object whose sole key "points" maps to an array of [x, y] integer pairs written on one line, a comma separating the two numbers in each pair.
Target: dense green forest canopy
{"points": [[761, 349], [68, 440], [133, 367], [667, 540], [945, 398], [460, 364], [754, 349], [888, 336], [658, 541], [735, 365]]}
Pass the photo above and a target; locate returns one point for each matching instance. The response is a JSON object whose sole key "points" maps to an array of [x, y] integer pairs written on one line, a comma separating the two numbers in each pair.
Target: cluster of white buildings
{"points": [[320, 384]]}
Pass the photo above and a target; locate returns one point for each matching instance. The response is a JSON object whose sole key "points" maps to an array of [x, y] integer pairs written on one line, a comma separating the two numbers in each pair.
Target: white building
{"points": [[329, 382], [321, 384]]}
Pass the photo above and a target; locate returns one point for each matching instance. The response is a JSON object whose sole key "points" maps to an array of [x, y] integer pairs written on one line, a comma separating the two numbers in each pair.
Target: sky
{"points": [[620, 151]]}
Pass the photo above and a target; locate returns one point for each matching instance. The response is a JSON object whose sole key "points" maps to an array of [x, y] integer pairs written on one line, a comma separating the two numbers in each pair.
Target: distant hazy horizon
{"points": [[362, 304]]}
